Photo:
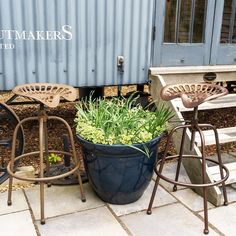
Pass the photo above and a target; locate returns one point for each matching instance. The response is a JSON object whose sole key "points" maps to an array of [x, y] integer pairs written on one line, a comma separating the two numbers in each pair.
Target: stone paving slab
{"points": [[18, 223], [190, 199], [99, 222], [224, 219], [18, 202], [162, 198], [169, 220], [61, 200]]}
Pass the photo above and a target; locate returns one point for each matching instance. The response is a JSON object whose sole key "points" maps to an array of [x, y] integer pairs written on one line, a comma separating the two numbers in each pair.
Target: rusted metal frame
{"points": [[14, 159], [187, 184], [43, 149], [44, 94], [196, 127], [10, 167]]}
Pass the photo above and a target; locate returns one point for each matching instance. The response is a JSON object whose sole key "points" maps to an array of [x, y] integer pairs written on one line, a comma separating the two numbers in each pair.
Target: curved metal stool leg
{"points": [[206, 229], [41, 170], [180, 157], [45, 131], [83, 198], [13, 155], [149, 210]]}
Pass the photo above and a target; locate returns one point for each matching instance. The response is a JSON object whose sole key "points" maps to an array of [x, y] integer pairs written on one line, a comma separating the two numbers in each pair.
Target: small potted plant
{"points": [[54, 158], [119, 140]]}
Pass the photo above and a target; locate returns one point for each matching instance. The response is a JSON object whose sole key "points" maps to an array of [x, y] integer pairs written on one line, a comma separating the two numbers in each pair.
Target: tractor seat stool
{"points": [[49, 95], [192, 95]]}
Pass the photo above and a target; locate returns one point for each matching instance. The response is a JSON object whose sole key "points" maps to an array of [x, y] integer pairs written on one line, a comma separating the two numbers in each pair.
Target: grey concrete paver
{"points": [[66, 214], [61, 200], [190, 199], [99, 222], [18, 202], [18, 223], [162, 198], [224, 219], [169, 220]]}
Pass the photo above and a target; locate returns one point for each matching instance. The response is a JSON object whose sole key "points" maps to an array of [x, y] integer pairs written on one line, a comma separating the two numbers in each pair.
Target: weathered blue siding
{"points": [[101, 29]]}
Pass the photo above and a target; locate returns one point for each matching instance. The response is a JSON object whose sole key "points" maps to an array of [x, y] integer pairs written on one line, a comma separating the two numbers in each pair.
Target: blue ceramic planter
{"points": [[119, 174]]}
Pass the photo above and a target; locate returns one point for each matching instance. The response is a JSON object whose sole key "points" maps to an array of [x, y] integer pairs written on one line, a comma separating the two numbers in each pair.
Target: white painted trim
{"points": [[191, 69]]}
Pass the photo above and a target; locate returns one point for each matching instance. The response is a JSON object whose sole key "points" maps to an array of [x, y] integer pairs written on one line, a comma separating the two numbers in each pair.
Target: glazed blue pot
{"points": [[119, 174]]}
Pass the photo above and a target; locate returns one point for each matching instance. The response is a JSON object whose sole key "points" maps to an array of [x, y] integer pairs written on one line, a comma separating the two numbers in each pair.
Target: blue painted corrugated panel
{"points": [[101, 30]]}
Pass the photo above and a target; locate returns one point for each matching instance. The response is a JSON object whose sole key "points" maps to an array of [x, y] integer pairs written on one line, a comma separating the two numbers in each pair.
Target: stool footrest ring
{"points": [[45, 179], [188, 184]]}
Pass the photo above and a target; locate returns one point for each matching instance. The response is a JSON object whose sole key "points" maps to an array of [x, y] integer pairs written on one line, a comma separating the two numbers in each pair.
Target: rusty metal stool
{"points": [[47, 95], [192, 95]]}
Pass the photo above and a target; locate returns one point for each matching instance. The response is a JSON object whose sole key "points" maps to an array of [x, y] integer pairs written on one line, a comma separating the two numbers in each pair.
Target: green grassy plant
{"points": [[119, 121]]}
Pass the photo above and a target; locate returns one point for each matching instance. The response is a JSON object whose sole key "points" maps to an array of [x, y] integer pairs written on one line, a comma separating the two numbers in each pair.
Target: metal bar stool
{"points": [[192, 95], [47, 95]]}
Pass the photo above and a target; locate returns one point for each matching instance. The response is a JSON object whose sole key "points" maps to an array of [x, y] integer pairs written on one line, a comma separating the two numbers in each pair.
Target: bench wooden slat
{"points": [[226, 135], [215, 172]]}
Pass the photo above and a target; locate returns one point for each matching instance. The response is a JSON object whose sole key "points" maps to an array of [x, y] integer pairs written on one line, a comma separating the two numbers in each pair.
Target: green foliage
{"points": [[119, 121], [54, 158]]}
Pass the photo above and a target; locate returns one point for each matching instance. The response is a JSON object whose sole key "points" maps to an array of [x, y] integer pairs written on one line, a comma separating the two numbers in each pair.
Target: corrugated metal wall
{"points": [[101, 29]]}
